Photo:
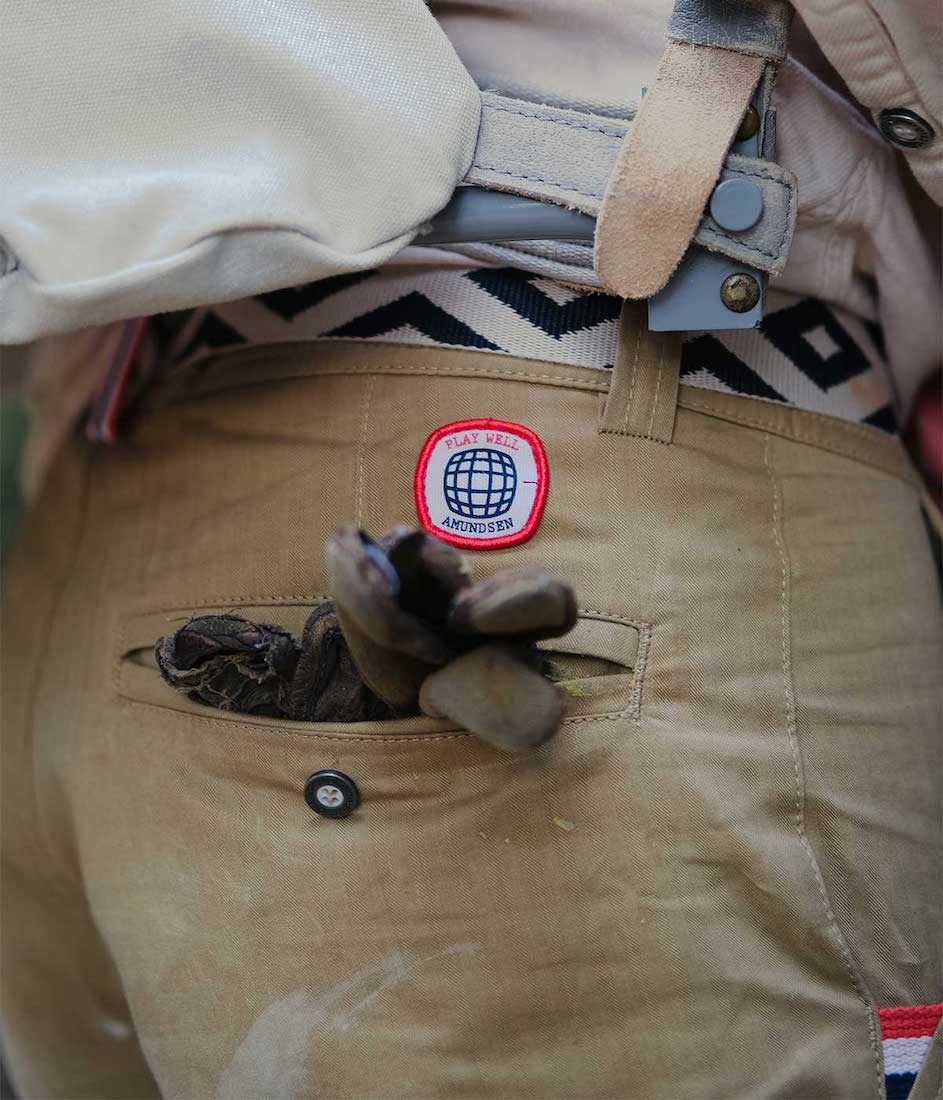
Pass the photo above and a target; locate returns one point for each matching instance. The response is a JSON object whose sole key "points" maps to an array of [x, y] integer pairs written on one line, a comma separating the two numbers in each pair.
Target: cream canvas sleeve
{"points": [[155, 156]]}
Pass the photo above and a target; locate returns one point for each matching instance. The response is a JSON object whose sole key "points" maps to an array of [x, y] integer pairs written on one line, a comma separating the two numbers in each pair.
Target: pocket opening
{"points": [[596, 666]]}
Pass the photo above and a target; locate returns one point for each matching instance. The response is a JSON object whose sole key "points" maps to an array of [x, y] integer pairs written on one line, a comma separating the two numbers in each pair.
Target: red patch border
{"points": [[540, 500]]}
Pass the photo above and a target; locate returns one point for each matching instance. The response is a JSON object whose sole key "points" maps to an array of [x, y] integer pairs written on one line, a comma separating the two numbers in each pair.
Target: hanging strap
{"points": [[643, 393], [670, 160]]}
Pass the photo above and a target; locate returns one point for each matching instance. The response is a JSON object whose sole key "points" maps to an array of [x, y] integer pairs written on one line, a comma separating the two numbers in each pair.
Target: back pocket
{"points": [[599, 665]]}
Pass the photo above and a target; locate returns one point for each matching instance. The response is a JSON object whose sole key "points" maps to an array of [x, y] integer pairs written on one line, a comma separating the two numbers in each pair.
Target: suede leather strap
{"points": [[669, 164]]}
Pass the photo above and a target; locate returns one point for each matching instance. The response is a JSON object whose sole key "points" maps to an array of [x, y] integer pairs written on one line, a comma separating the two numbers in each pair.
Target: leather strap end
{"points": [[668, 165]]}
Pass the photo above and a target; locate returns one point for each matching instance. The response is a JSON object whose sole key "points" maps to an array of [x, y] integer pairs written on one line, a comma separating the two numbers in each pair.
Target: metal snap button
{"points": [[905, 128], [740, 292], [736, 205], [749, 125], [332, 794]]}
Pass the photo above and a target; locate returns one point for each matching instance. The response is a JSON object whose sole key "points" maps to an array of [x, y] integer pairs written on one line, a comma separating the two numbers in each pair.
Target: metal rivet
{"points": [[905, 128], [749, 125], [739, 292], [736, 205]]}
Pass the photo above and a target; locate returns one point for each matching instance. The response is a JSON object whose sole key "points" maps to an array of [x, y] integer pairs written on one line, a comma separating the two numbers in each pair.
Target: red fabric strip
{"points": [[911, 1022], [102, 423]]}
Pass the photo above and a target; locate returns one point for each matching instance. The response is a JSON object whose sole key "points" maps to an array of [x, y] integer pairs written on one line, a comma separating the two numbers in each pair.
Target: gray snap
{"points": [[905, 128], [736, 205]]}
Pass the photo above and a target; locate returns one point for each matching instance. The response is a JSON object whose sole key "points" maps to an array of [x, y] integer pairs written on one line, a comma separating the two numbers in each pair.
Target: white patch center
{"points": [[482, 483]]}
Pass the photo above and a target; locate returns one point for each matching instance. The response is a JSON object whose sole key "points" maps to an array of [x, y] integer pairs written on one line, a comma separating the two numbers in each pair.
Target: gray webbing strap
{"points": [[565, 157], [757, 27]]}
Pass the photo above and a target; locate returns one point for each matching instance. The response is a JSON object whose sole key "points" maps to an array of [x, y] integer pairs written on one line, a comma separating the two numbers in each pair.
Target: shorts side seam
{"points": [[789, 692]]}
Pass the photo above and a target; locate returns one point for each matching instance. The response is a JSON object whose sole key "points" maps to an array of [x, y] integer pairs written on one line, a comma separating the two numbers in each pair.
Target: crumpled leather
{"points": [[230, 663], [327, 686]]}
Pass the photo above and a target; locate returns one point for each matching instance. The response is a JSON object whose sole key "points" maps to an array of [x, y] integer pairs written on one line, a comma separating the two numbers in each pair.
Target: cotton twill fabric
{"points": [[748, 857]]}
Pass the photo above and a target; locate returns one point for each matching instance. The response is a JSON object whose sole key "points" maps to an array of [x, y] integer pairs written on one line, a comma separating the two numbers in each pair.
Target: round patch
{"points": [[482, 484]]}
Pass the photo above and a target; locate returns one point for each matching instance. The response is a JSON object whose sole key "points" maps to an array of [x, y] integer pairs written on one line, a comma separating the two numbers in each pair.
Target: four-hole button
{"points": [[332, 794]]}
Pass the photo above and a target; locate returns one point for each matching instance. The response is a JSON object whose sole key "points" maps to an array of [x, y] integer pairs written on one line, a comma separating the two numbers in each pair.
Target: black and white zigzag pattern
{"points": [[803, 354]]}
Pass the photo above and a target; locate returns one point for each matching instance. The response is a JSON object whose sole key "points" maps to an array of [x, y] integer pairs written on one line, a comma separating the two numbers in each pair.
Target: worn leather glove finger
{"points": [[407, 606], [366, 588], [492, 692], [395, 677], [230, 663], [327, 686], [528, 603], [430, 572]]}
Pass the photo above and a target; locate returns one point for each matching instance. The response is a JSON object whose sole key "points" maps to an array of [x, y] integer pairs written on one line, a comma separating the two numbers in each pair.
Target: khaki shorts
{"points": [[704, 886]]}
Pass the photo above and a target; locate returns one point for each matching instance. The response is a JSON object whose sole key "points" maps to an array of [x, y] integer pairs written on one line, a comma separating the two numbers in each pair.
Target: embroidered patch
{"points": [[906, 1035], [482, 484]]}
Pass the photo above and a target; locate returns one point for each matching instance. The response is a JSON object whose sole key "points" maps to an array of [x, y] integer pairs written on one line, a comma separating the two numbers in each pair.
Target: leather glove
{"points": [[420, 631], [230, 663]]}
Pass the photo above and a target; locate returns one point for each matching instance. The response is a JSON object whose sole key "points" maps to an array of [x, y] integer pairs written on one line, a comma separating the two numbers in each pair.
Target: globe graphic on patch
{"points": [[480, 483]]}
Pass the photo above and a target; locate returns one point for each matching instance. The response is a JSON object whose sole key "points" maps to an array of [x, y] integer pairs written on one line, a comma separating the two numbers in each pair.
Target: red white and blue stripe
{"points": [[906, 1035]]}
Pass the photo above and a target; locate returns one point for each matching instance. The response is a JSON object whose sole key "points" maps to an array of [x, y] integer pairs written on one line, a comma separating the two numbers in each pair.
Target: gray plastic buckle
{"points": [[691, 299]]}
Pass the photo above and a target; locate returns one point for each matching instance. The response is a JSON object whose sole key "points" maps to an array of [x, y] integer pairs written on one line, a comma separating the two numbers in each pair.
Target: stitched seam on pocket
{"points": [[789, 692], [362, 446], [858, 444], [464, 372], [250, 355], [634, 708], [223, 719]]}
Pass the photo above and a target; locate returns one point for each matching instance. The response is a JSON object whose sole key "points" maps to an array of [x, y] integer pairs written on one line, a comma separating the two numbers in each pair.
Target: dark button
{"points": [[905, 128], [332, 794]]}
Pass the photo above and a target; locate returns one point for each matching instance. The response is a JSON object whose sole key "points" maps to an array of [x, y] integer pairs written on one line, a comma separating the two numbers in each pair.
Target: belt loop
{"points": [[643, 394]]}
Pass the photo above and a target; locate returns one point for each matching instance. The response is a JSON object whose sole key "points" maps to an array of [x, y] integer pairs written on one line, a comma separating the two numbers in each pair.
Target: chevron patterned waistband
{"points": [[805, 353]]}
